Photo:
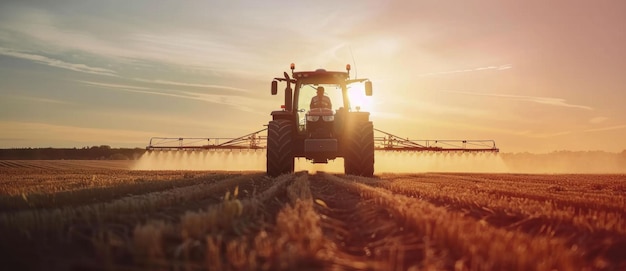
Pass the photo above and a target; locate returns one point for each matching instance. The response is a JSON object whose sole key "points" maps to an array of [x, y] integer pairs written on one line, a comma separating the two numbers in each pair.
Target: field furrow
{"points": [[581, 201], [86, 215], [369, 235], [599, 232], [78, 196], [244, 234], [469, 243]]}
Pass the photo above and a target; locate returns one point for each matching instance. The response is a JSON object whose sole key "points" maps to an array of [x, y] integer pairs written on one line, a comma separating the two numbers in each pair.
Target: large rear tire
{"points": [[279, 148], [359, 151]]}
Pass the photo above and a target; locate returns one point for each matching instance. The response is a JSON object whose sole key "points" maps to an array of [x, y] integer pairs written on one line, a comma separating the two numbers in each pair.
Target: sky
{"points": [[535, 76]]}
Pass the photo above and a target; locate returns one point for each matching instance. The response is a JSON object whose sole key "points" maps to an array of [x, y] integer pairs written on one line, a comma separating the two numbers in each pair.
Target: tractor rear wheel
{"points": [[279, 148], [359, 152]]}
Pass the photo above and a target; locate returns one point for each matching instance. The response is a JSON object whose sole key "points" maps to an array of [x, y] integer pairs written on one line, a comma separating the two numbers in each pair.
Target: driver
{"points": [[320, 100]]}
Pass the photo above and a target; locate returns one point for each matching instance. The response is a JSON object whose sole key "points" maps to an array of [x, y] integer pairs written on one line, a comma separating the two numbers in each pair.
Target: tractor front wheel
{"points": [[279, 148], [359, 152]]}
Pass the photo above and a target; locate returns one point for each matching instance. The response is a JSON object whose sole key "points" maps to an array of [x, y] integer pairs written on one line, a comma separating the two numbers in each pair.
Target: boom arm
{"points": [[386, 142]]}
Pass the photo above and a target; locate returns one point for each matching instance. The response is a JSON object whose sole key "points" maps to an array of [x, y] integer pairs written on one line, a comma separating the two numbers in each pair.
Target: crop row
{"points": [[56, 219], [237, 221], [115, 186], [277, 229], [27, 181], [597, 230], [471, 243], [565, 190], [8, 165], [579, 209], [370, 236]]}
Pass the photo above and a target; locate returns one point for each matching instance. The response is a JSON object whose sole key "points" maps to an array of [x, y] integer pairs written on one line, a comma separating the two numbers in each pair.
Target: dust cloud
{"points": [[385, 162], [564, 162], [411, 162], [397, 162], [227, 160]]}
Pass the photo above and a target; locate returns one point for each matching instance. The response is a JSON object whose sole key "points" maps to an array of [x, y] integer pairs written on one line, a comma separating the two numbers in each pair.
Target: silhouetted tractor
{"points": [[317, 134], [320, 134]]}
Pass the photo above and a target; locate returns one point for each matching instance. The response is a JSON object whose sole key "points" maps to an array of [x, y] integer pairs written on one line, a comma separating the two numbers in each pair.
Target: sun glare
{"points": [[356, 92]]}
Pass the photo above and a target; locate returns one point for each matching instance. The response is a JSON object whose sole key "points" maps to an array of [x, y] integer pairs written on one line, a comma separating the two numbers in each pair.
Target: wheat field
{"points": [[99, 215]]}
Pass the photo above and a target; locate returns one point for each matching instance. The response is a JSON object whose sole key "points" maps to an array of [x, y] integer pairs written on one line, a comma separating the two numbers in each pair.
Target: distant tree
{"points": [[118, 156]]}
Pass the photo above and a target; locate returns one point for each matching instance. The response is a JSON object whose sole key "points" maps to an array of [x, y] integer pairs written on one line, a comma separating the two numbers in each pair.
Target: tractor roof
{"points": [[321, 76]]}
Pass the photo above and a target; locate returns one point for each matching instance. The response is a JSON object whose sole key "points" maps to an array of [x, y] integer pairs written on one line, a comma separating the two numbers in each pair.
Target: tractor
{"points": [[320, 134]]}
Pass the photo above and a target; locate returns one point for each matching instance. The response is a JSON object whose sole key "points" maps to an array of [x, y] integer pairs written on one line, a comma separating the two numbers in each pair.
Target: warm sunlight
{"points": [[441, 69], [313, 135], [356, 92]]}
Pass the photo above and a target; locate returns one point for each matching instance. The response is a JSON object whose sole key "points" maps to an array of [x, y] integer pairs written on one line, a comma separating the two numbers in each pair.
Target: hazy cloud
{"points": [[37, 99], [114, 86], [598, 119], [534, 99], [493, 68], [552, 134], [183, 84], [56, 62], [616, 127], [181, 43], [238, 102]]}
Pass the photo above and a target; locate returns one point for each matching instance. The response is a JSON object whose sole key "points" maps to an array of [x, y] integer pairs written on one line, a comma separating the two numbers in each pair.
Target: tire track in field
{"points": [[368, 235]]}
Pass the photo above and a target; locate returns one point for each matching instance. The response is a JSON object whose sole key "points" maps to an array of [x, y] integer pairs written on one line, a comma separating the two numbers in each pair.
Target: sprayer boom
{"points": [[383, 142], [249, 141], [390, 142]]}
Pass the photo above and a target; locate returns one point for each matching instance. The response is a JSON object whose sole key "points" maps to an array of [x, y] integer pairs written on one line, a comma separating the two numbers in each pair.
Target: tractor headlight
{"points": [[328, 118], [312, 118]]}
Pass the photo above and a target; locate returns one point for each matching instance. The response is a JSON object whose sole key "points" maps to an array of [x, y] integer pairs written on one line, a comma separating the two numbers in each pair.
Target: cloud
{"points": [[496, 130], [238, 102], [493, 68], [183, 84], [118, 86], [552, 134], [598, 119], [202, 36], [182, 43], [534, 99], [57, 63], [388, 116], [616, 127], [37, 99]]}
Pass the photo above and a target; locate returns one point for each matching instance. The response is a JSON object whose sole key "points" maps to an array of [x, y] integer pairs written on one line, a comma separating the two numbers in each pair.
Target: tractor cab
{"points": [[309, 115]]}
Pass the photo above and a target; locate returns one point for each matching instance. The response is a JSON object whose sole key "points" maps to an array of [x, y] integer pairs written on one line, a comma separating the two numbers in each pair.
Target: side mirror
{"points": [[274, 87], [368, 88]]}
